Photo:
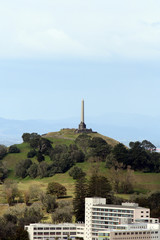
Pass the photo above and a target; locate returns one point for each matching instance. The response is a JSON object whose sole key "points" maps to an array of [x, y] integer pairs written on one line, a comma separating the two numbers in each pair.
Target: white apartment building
{"points": [[46, 231], [103, 222], [101, 216]]}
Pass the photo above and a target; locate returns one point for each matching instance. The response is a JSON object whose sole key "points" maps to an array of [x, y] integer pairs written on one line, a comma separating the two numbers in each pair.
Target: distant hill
{"points": [[120, 126]]}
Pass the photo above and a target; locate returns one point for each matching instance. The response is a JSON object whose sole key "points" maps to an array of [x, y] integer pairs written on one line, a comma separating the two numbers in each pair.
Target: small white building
{"points": [[142, 230], [46, 231]]}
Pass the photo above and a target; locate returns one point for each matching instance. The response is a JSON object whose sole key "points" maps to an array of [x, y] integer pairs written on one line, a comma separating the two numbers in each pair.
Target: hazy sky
{"points": [[53, 53]]}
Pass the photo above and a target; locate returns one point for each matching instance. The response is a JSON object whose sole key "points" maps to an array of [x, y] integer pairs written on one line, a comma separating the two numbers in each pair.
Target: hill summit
{"points": [[71, 134]]}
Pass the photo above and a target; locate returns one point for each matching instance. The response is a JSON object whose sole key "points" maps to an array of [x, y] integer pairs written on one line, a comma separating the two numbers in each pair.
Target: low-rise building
{"points": [[141, 230], [102, 222], [46, 231]]}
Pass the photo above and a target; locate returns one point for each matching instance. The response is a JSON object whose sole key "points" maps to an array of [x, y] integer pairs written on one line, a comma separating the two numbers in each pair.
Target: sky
{"points": [[53, 53]]}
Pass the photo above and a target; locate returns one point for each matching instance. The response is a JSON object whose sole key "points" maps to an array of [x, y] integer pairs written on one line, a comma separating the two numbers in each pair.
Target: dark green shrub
{"points": [[13, 149]]}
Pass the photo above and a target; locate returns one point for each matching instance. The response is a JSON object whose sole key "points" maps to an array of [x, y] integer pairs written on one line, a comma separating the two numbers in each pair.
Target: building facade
{"points": [[46, 231], [102, 222], [139, 230], [101, 216]]}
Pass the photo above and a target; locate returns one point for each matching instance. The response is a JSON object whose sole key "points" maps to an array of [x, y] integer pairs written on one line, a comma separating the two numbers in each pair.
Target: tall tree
{"points": [[120, 153], [98, 186], [99, 148], [79, 199]]}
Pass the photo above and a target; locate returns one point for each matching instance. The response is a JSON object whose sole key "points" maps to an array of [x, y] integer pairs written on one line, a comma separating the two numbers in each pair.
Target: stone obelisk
{"points": [[82, 125], [82, 112]]}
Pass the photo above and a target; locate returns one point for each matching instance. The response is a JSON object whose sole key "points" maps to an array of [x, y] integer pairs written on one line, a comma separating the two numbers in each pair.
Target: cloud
{"points": [[85, 29]]}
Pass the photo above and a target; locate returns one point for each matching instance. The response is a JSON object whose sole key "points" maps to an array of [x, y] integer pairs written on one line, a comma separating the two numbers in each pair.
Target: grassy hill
{"points": [[67, 136], [143, 181]]}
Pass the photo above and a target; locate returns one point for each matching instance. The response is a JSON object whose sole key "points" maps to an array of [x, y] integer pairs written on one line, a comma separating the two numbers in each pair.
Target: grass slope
{"points": [[144, 181], [67, 136]]}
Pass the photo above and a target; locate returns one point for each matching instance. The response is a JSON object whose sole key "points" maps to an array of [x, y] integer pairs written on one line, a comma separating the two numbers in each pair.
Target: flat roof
{"points": [[57, 225], [118, 206]]}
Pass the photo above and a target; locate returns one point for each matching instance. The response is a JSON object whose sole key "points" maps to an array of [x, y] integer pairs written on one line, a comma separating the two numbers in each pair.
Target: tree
{"points": [[3, 151], [22, 167], [49, 202], [139, 158], [62, 161], [32, 214], [26, 137], [76, 172], [34, 191], [32, 170], [45, 146], [31, 153], [21, 234], [26, 197], [34, 140], [13, 149], [110, 161], [83, 141], [99, 148], [56, 189], [98, 186], [120, 153], [63, 213], [81, 188], [77, 156], [3, 172], [40, 157], [148, 146], [11, 191], [43, 170], [122, 180]]}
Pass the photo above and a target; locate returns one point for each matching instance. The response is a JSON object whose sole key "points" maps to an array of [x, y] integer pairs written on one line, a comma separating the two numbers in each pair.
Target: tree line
{"points": [[140, 156]]}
